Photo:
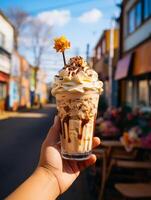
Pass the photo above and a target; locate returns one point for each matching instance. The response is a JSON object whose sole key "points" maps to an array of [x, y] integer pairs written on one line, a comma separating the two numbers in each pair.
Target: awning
{"points": [[123, 67], [142, 59], [4, 77]]}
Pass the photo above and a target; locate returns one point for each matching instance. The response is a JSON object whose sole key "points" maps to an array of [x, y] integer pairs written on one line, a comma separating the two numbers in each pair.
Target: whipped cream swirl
{"points": [[76, 76]]}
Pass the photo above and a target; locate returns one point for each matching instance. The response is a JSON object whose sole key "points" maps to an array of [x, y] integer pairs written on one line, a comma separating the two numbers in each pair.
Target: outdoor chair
{"points": [[134, 190], [117, 152], [128, 164], [101, 153]]}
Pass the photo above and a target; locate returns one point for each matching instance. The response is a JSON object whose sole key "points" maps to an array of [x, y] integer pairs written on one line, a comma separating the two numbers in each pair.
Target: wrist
{"points": [[49, 179]]}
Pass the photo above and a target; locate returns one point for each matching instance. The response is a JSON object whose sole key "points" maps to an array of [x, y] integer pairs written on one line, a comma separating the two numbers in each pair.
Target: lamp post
{"points": [[87, 52]]}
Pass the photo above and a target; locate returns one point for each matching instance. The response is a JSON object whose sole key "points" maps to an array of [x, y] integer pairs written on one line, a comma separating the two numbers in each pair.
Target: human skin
{"points": [[53, 175]]}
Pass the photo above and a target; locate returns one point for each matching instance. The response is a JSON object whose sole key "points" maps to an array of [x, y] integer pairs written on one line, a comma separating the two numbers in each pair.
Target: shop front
{"points": [[14, 87], [14, 94], [4, 80], [25, 84], [134, 75], [122, 75], [142, 74], [6, 48]]}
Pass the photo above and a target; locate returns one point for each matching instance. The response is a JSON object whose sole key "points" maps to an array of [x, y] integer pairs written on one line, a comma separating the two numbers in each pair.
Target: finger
{"points": [[86, 163], [54, 132], [96, 142]]}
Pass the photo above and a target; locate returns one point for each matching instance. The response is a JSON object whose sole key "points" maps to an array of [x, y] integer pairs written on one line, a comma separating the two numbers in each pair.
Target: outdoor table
{"points": [[111, 143], [134, 190], [118, 143], [114, 150], [108, 146], [105, 153]]}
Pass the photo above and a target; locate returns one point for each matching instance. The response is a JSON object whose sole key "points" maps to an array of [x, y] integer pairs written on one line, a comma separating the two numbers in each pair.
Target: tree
{"points": [[18, 17], [36, 38], [32, 35]]}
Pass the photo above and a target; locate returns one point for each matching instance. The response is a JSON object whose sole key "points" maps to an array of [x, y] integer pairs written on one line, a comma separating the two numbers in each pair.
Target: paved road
{"points": [[20, 141]]}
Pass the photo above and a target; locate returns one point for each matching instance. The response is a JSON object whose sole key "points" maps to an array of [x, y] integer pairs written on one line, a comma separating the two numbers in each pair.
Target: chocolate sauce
{"points": [[80, 136], [84, 122], [62, 130], [61, 127], [66, 120], [67, 108], [78, 70], [73, 73], [80, 106]]}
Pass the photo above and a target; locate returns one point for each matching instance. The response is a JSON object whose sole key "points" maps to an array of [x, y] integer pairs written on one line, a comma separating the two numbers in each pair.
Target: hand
{"points": [[65, 171]]}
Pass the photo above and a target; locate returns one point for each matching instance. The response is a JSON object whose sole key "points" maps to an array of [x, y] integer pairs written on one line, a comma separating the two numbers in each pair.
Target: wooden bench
{"points": [[135, 190]]}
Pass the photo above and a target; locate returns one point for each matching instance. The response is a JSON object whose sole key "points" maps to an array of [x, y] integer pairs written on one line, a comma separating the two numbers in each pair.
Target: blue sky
{"points": [[81, 21]]}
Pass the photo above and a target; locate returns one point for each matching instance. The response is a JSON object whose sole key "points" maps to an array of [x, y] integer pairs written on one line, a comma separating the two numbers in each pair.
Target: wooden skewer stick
{"points": [[64, 60]]}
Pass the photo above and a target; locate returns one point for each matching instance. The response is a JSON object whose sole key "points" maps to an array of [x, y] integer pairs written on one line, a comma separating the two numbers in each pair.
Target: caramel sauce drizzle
{"points": [[66, 120], [84, 122]]}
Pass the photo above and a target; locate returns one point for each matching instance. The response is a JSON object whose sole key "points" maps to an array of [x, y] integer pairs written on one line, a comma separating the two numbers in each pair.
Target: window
{"points": [[131, 21], [2, 39], [129, 92], [2, 91], [138, 14], [138, 10], [143, 93], [147, 9]]}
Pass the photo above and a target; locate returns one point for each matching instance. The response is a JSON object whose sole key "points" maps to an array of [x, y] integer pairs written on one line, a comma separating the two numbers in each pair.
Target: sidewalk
{"points": [[21, 113], [5, 115]]}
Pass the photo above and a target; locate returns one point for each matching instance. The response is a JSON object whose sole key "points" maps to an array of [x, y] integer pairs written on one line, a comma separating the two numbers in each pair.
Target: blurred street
{"points": [[20, 141]]}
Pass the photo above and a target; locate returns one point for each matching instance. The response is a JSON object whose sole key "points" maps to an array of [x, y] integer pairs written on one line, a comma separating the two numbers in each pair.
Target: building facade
{"points": [[33, 84], [101, 62], [6, 49], [14, 82], [41, 89], [24, 94], [134, 67]]}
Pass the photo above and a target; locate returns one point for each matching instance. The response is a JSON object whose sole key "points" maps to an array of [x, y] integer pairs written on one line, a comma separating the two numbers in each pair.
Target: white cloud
{"points": [[91, 16], [55, 17]]}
